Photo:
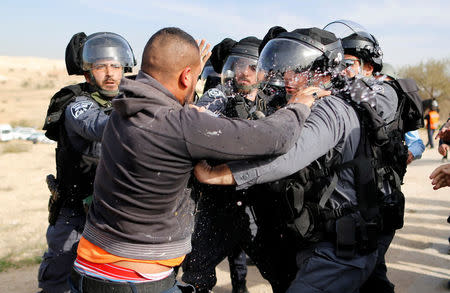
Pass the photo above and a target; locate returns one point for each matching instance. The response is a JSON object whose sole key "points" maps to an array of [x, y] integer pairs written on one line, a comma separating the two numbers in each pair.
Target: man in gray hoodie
{"points": [[141, 219]]}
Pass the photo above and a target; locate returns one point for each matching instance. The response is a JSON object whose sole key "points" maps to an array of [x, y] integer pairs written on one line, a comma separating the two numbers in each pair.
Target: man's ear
{"points": [[87, 76], [186, 76], [368, 69]]}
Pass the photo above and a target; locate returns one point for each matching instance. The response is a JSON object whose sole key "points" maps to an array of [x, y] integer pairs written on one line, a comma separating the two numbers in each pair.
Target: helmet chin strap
{"points": [[107, 94]]}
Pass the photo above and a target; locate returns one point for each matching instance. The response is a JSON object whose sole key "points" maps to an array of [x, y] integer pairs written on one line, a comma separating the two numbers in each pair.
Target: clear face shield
{"points": [[346, 28], [107, 47], [239, 74], [289, 63]]}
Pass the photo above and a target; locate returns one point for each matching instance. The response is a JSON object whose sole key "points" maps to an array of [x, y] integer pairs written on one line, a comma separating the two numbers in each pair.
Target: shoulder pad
{"points": [[80, 106]]}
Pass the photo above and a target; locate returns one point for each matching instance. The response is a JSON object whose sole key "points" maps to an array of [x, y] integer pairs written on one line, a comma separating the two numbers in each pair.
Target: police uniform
{"points": [[84, 121], [333, 124]]}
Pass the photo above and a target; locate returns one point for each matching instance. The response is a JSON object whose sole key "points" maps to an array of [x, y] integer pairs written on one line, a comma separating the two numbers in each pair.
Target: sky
{"points": [[408, 31]]}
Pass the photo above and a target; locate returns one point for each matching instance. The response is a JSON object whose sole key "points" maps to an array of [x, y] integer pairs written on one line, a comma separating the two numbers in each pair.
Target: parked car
{"points": [[40, 137], [5, 132], [20, 132]]}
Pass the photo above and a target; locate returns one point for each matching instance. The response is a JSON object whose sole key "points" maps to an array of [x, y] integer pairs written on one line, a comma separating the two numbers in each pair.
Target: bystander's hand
{"points": [[444, 132], [440, 176], [205, 53], [309, 95], [217, 175], [443, 149]]}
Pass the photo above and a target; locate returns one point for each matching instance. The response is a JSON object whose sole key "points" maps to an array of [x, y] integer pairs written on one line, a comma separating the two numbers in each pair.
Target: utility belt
{"points": [[345, 226]]}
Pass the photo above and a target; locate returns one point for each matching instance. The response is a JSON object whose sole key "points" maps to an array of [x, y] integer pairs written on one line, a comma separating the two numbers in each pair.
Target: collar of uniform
{"points": [[102, 102]]}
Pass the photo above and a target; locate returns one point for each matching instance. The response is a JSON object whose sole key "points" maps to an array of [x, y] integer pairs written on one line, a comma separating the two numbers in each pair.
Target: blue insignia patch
{"points": [[215, 93], [80, 107]]}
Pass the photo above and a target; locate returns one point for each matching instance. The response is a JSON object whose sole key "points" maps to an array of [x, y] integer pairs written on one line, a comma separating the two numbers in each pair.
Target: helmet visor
{"points": [[345, 28], [239, 72], [283, 61], [107, 46]]}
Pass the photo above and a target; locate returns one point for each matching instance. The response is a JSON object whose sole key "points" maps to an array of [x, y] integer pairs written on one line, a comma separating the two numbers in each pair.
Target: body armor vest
{"points": [[379, 160]]}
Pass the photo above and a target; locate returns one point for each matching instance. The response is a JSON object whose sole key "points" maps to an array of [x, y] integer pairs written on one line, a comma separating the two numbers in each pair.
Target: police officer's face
{"points": [[107, 74], [295, 81], [353, 65], [245, 71]]}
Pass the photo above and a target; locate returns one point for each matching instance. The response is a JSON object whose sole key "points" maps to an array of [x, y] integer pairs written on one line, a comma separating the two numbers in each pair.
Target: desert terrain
{"points": [[418, 260]]}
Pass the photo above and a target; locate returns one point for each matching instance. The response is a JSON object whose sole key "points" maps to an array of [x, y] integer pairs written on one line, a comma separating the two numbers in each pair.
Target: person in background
{"points": [[432, 119]]}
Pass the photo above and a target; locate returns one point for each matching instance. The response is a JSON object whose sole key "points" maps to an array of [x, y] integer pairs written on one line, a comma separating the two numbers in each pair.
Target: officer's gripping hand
{"points": [[309, 95], [441, 176], [217, 175]]}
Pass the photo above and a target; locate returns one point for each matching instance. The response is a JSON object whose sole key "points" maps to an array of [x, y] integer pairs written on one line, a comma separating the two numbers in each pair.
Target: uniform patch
{"points": [[80, 107], [214, 93]]}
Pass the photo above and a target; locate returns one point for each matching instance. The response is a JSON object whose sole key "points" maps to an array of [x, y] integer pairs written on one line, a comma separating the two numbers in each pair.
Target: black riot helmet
{"points": [[73, 54], [308, 52], [107, 46], [238, 73], [357, 41]]}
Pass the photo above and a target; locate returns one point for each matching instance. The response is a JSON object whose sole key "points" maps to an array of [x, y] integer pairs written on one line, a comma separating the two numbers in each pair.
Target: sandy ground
{"points": [[418, 259]]}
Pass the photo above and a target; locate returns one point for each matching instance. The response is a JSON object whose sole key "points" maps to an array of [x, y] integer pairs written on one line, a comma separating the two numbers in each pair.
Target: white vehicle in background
{"points": [[5, 132], [22, 132], [39, 137]]}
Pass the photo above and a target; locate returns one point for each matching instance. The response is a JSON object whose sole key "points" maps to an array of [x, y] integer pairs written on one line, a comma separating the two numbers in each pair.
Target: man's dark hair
{"points": [[173, 32], [169, 50]]}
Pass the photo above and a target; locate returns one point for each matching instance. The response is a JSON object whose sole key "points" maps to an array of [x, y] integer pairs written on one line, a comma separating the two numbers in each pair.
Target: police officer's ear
{"points": [[271, 34], [368, 69], [87, 76], [220, 53]]}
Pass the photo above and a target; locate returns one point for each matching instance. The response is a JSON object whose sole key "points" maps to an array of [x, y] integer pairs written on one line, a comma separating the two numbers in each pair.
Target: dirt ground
{"points": [[418, 260]]}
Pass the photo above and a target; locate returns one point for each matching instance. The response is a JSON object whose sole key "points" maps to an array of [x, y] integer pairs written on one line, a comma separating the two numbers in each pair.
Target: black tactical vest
{"points": [[75, 171], [380, 159]]}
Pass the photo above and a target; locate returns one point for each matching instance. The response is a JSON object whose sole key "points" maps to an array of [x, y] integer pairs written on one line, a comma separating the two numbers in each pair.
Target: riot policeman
{"points": [[76, 118], [329, 192], [363, 56]]}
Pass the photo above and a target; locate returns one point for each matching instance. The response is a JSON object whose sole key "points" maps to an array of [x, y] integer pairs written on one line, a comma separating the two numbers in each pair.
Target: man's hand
{"points": [[200, 109], [218, 175], [309, 95], [441, 176], [443, 149], [410, 158], [444, 132], [205, 53]]}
